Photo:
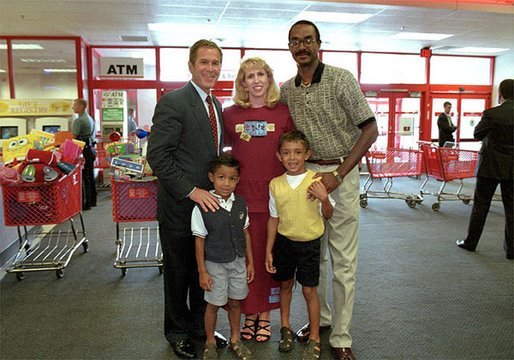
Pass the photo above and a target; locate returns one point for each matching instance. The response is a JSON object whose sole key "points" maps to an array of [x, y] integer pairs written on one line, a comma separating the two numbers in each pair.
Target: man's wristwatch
{"points": [[338, 176]]}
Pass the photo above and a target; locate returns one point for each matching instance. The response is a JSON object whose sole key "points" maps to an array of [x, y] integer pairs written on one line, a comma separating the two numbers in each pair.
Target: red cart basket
{"points": [[445, 165], [136, 201], [28, 204], [389, 164]]}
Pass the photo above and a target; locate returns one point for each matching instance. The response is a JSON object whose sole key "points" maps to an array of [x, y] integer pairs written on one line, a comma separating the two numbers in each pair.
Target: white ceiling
{"points": [[265, 23]]}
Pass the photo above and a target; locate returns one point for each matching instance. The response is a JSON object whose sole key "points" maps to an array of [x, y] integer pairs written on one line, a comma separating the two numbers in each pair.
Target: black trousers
{"points": [[182, 319], [484, 191], [88, 178]]}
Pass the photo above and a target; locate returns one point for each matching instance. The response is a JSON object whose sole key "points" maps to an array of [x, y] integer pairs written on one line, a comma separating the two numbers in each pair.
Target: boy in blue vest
{"points": [[224, 254], [298, 203]]}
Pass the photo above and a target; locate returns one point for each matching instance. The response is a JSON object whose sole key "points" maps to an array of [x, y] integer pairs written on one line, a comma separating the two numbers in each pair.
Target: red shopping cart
{"points": [[389, 164], [136, 201], [445, 165], [28, 204]]}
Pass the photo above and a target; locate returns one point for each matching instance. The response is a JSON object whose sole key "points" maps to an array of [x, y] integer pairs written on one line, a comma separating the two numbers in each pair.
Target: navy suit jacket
{"points": [[181, 146], [496, 130]]}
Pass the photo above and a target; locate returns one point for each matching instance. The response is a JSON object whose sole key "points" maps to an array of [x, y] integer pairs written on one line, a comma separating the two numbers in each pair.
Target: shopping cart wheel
{"points": [[123, 271], [466, 201], [20, 276], [436, 206], [59, 273], [363, 203], [85, 245], [412, 203]]}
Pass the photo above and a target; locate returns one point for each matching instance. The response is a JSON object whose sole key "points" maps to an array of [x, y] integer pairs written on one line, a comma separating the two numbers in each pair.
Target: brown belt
{"points": [[326, 162]]}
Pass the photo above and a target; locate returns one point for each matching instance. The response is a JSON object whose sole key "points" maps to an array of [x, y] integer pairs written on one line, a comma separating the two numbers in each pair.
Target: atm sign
{"points": [[120, 67]]}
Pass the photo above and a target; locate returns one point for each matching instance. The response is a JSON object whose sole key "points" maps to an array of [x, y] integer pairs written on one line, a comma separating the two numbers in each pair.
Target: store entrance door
{"points": [[466, 113], [398, 117]]}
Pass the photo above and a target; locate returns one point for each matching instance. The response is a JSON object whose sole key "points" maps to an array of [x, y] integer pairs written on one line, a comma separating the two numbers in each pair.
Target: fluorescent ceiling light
{"points": [[344, 18], [59, 70], [2, 71], [484, 50], [36, 60], [22, 47], [183, 28], [420, 36]]}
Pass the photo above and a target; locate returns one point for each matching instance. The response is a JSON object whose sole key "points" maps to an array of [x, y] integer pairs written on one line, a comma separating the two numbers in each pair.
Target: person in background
{"points": [[83, 129], [445, 125], [328, 106], [131, 121], [224, 254], [253, 127], [186, 136], [495, 166], [295, 227]]}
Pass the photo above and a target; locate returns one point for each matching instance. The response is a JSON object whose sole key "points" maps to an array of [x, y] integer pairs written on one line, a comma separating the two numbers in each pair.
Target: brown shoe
{"points": [[303, 334], [343, 353]]}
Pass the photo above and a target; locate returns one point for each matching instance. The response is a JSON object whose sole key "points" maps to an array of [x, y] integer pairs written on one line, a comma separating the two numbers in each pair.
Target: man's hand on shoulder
{"points": [[205, 199]]}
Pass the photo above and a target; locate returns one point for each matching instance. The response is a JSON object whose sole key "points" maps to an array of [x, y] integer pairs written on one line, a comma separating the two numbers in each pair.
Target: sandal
{"points": [[266, 327], [286, 339], [313, 351], [241, 351], [209, 352], [248, 330]]}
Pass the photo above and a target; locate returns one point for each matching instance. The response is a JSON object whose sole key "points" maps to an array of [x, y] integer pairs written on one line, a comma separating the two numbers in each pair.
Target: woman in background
{"points": [[252, 128]]}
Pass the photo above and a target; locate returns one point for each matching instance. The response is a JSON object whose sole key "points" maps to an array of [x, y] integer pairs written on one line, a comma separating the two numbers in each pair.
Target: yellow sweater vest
{"points": [[299, 218]]}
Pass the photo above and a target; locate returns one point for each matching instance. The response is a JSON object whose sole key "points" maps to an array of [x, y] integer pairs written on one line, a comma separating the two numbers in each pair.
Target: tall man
{"points": [[186, 136], [495, 166], [328, 106], [83, 129], [445, 125]]}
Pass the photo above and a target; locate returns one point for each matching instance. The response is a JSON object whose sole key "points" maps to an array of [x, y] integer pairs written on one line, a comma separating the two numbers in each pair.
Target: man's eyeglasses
{"points": [[306, 42]]}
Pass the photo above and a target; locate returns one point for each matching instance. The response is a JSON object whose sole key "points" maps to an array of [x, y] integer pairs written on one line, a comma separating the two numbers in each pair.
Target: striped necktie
{"points": [[214, 124]]}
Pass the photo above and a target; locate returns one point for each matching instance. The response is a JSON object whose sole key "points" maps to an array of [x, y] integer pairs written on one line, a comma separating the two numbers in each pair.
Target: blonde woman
{"points": [[252, 128]]}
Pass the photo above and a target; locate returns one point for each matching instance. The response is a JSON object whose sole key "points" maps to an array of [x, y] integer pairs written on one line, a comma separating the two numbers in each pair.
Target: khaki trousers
{"points": [[340, 241]]}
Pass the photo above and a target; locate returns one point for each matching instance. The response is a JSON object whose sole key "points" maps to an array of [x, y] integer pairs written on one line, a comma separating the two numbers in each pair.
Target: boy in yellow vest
{"points": [[295, 227]]}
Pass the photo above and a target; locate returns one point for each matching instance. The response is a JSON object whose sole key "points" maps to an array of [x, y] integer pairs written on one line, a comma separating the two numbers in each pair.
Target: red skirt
{"points": [[263, 292]]}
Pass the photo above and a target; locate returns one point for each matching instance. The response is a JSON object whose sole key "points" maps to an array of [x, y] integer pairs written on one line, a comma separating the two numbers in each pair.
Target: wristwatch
{"points": [[338, 176]]}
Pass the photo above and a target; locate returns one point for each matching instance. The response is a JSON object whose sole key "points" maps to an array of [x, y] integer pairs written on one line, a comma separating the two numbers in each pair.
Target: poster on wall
{"points": [[406, 125], [114, 105], [36, 107]]}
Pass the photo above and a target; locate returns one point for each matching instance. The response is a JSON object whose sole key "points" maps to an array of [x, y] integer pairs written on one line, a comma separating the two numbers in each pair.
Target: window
{"points": [[346, 61], [4, 75], [280, 61], [44, 69], [392, 69], [460, 70]]}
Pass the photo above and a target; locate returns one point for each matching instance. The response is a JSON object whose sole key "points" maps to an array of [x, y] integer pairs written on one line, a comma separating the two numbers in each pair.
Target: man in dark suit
{"points": [[186, 136], [445, 125], [495, 166]]}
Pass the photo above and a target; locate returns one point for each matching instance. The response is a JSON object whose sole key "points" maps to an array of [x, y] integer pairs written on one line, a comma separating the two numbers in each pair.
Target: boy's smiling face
{"points": [[225, 180], [292, 155]]}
